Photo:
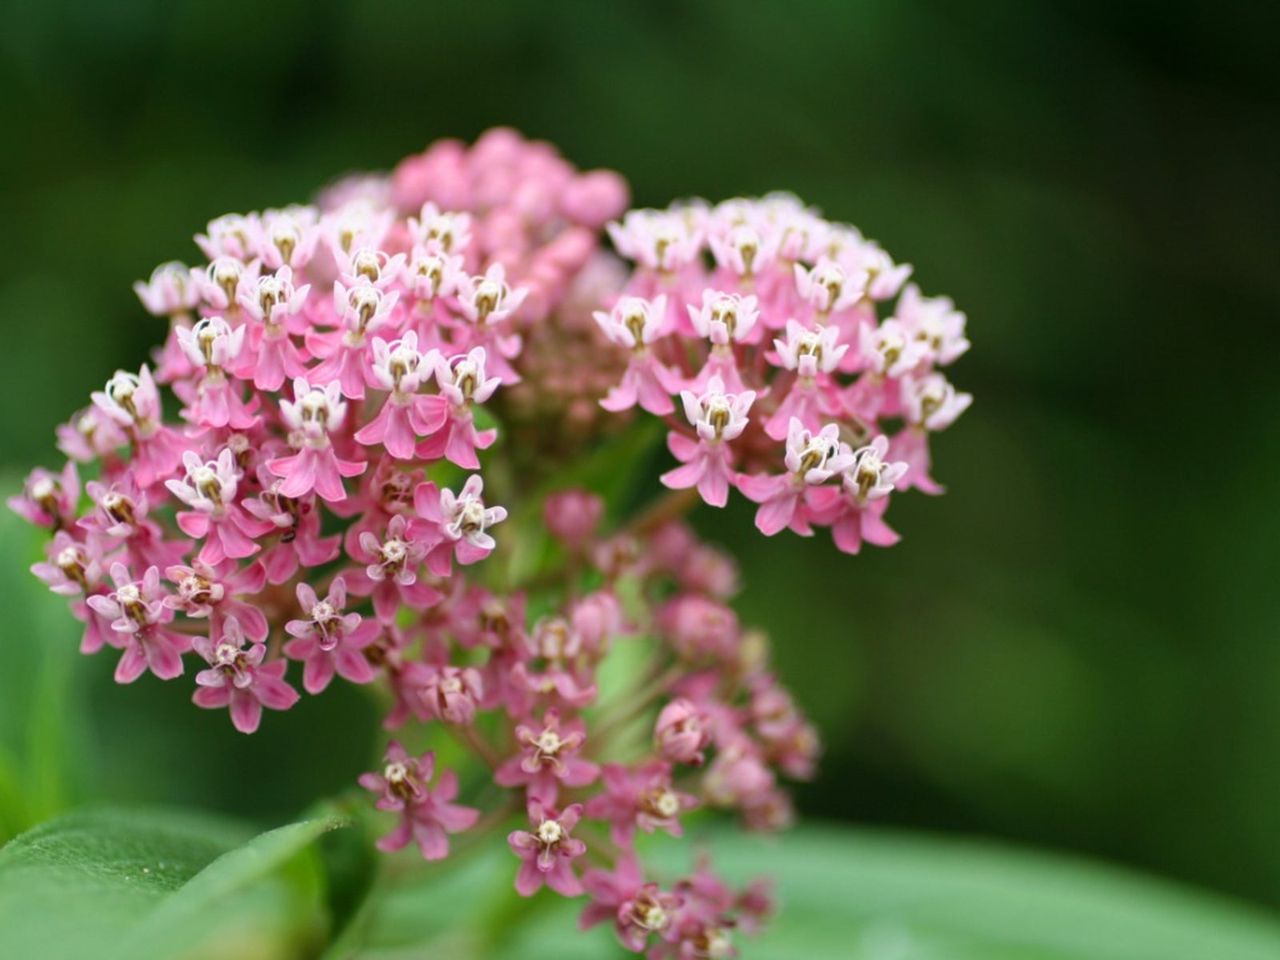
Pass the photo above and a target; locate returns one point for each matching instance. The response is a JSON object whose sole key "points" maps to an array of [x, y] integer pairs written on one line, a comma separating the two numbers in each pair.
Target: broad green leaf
{"points": [[126, 885], [855, 895]]}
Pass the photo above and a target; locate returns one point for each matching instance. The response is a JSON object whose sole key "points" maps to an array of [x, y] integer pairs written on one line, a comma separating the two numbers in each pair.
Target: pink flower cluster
{"points": [[793, 345], [339, 371]]}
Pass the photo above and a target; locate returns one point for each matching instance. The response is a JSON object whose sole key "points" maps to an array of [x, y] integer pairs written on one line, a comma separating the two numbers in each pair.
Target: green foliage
{"points": [[847, 895], [42, 724], [129, 885]]}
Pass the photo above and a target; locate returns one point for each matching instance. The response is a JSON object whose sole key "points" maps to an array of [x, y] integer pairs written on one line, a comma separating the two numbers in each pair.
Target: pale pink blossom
{"points": [[209, 489], [314, 413], [138, 620]]}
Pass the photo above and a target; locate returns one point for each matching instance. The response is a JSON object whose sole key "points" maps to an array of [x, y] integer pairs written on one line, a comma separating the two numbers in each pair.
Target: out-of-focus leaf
{"points": [[124, 885], [854, 895], [39, 719]]}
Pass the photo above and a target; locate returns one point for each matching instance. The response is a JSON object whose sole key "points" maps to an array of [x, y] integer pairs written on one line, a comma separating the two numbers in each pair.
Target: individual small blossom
{"points": [[717, 418], [889, 350], [548, 759], [269, 356], [487, 301], [742, 250], [641, 797], [133, 402], [736, 776], [215, 401], [399, 368], [548, 850], [230, 235], [446, 420], [572, 516], [929, 403], [361, 309], [437, 230], [218, 592], [811, 459], [725, 318], [934, 323], [855, 511], [555, 668], [431, 276], [427, 814], [596, 619], [449, 694], [357, 223], [814, 355], [225, 280], [638, 910], [120, 516], [239, 679], [932, 402], [170, 290], [209, 489], [90, 435], [370, 264], [460, 523], [285, 239], [699, 627], [488, 298], [657, 239], [72, 567], [391, 570], [313, 415], [828, 288], [329, 640], [49, 499], [636, 324], [296, 522], [810, 352], [139, 624], [884, 277], [682, 733]]}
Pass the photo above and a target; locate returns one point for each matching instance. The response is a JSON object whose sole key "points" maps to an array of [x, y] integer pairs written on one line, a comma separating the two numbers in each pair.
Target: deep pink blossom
{"points": [[457, 525], [638, 910], [427, 814], [548, 759], [218, 592], [48, 499], [329, 640], [548, 850], [717, 418], [639, 797], [682, 733], [239, 679]]}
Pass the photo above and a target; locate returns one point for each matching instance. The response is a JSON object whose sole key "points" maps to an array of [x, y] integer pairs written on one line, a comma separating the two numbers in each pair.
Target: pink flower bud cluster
{"points": [[318, 506], [793, 346]]}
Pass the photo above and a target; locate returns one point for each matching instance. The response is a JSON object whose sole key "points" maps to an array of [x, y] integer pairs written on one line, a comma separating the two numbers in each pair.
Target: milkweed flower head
{"points": [[385, 405]]}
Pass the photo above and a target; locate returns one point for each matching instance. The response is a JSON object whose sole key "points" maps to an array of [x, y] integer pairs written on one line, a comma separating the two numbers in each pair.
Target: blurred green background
{"points": [[1076, 648]]}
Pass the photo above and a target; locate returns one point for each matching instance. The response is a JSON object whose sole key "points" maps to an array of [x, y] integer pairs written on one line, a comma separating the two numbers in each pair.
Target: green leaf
{"points": [[39, 720], [123, 885], [857, 895]]}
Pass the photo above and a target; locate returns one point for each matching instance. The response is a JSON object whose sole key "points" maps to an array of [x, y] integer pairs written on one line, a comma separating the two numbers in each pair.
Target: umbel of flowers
{"points": [[317, 512]]}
